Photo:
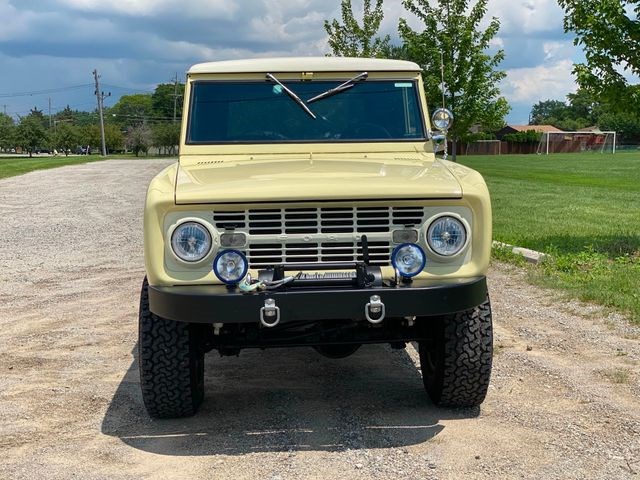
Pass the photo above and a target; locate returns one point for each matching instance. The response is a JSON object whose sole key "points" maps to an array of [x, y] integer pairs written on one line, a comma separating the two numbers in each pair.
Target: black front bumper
{"points": [[217, 304]]}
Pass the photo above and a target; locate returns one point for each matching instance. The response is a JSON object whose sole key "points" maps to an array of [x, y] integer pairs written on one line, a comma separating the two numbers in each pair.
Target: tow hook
{"points": [[270, 313], [374, 310]]}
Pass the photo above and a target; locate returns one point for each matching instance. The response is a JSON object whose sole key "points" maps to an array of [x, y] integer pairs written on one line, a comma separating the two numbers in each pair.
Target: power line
{"points": [[129, 89], [44, 92]]}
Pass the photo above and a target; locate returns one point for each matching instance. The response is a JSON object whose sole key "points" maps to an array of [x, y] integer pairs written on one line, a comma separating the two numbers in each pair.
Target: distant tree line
{"points": [[135, 123], [583, 109]]}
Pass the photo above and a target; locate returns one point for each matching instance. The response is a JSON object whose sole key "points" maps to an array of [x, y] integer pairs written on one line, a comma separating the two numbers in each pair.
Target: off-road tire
{"points": [[456, 360], [171, 363]]}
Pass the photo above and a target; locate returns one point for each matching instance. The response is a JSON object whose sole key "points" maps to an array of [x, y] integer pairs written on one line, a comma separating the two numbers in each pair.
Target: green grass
{"points": [[11, 166], [582, 209]]}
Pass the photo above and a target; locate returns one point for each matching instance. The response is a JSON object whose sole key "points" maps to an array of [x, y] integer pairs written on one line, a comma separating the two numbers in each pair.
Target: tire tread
{"points": [[171, 378]]}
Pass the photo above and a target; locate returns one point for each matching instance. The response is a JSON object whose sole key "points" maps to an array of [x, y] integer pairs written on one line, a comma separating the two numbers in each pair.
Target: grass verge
{"points": [[581, 209]]}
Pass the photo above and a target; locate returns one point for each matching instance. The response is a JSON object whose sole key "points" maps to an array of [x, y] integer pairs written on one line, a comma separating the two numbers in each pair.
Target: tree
{"points": [[165, 97], [131, 110], [66, 115], [37, 114], [90, 135], [581, 110], [471, 76], [626, 124], [530, 136], [30, 134], [609, 32], [350, 39], [542, 111], [7, 132], [84, 119], [139, 139], [65, 137], [166, 136], [585, 105]]}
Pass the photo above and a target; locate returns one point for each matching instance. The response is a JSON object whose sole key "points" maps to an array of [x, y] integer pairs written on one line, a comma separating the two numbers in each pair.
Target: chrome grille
{"points": [[317, 235]]}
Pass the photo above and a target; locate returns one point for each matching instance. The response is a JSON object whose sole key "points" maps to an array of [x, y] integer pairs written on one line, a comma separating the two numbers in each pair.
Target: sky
{"points": [[49, 48]]}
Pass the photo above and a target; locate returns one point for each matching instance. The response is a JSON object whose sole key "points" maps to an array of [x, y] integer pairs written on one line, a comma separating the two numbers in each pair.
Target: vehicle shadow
{"points": [[289, 400]]}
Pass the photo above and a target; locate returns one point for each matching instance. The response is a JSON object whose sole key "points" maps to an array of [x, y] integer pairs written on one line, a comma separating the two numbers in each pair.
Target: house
{"points": [[524, 128]]}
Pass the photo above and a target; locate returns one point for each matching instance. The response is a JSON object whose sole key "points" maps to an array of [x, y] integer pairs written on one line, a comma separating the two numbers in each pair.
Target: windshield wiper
{"points": [[292, 95], [340, 88]]}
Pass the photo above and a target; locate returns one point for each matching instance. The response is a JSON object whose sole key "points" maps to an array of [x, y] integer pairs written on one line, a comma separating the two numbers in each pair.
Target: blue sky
{"points": [[136, 44]]}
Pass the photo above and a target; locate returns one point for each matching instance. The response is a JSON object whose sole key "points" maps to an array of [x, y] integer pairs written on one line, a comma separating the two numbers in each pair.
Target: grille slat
{"points": [[343, 222]]}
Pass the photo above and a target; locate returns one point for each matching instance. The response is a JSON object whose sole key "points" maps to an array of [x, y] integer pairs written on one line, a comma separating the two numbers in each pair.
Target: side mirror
{"points": [[442, 120]]}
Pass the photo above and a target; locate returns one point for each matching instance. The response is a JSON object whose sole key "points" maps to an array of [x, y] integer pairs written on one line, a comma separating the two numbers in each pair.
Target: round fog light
{"points": [[409, 259], [230, 266]]}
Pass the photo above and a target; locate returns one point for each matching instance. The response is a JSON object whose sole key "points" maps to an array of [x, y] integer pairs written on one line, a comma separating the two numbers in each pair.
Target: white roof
{"points": [[305, 64]]}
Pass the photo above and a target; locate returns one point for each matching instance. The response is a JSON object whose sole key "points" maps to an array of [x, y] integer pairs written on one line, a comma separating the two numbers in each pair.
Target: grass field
{"points": [[583, 209], [11, 166]]}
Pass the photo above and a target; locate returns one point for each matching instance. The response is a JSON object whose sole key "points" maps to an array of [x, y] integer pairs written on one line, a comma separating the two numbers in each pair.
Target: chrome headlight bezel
{"points": [[433, 222], [175, 248]]}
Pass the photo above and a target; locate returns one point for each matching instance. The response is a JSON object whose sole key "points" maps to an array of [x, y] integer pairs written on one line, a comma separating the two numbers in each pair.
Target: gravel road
{"points": [[564, 401]]}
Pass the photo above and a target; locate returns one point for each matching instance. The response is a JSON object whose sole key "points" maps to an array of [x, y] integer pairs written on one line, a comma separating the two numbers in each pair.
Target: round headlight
{"points": [[442, 119], [409, 259], [230, 266], [191, 242], [447, 236]]}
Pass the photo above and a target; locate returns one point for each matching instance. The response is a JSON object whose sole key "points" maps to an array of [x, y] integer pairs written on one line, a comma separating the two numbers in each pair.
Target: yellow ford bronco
{"points": [[308, 208]]}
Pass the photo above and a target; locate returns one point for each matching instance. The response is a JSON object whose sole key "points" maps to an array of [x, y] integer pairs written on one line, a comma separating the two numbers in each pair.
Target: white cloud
{"points": [[554, 50], [530, 85], [185, 8], [527, 17], [497, 42]]}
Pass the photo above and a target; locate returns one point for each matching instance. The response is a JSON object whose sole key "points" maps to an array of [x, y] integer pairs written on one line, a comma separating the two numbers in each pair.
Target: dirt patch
{"points": [[563, 403]]}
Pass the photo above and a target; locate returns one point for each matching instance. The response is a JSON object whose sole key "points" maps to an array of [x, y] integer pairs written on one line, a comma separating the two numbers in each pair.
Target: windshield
{"points": [[263, 112]]}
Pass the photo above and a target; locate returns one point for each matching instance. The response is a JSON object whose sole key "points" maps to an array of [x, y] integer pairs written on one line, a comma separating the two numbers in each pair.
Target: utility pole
{"points": [[175, 97], [49, 112], [101, 96], [5, 108]]}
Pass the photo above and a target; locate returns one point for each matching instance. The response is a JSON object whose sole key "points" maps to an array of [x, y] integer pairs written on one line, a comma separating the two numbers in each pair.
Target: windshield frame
{"points": [[423, 132]]}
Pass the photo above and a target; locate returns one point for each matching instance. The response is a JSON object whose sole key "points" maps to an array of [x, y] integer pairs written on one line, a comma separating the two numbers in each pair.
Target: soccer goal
{"points": [[577, 142], [484, 147]]}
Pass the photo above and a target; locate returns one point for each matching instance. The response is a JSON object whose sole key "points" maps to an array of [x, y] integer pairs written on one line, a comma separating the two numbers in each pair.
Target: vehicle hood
{"points": [[313, 179]]}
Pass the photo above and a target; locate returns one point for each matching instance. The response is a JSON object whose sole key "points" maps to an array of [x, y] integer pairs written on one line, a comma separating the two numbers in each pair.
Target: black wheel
{"points": [[171, 363], [456, 360]]}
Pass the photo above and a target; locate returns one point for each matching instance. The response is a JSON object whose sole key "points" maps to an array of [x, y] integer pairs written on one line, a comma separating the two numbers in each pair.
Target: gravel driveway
{"points": [[564, 401]]}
